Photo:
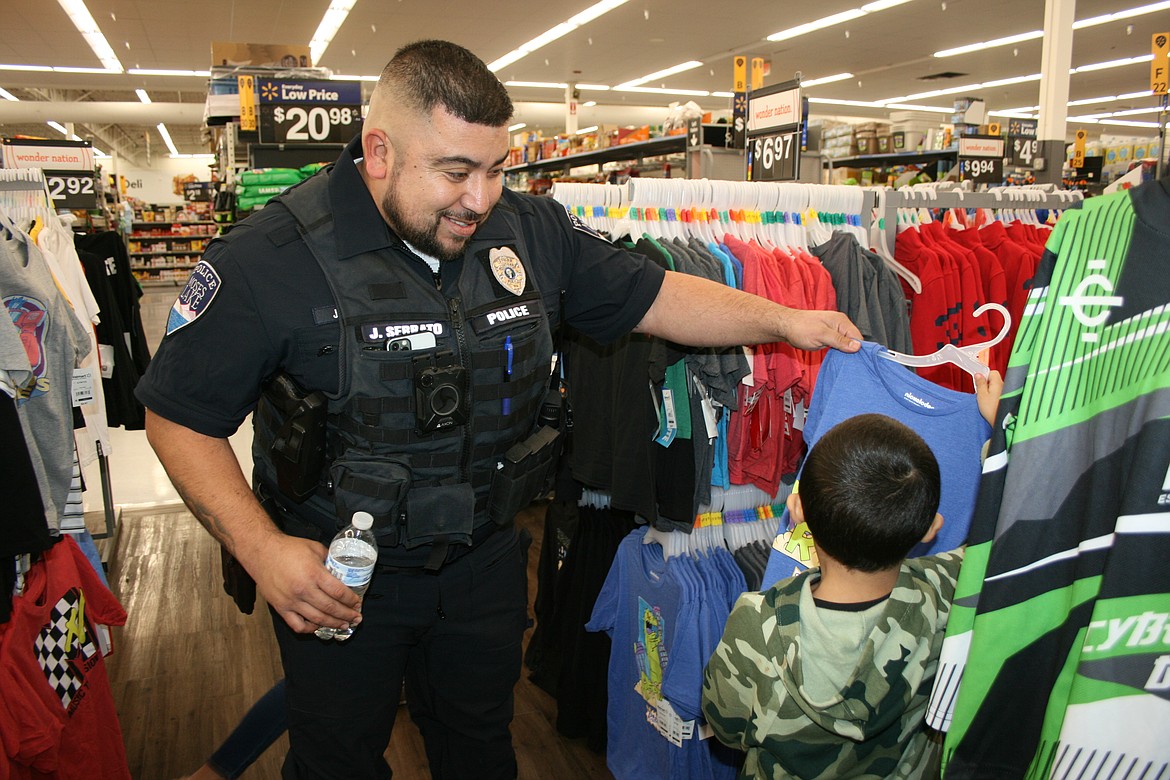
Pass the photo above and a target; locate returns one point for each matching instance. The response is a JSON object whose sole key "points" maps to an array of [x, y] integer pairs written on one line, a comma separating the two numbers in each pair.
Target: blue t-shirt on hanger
{"points": [[865, 382]]}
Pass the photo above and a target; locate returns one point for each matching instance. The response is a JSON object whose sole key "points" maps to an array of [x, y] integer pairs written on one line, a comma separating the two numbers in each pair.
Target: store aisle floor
{"points": [[188, 664]]}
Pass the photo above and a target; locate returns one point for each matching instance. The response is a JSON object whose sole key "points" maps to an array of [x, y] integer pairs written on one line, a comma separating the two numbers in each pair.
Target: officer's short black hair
{"points": [[870, 490], [438, 73]]}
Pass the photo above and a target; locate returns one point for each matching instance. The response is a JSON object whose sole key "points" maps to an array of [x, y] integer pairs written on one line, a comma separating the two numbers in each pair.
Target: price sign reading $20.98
{"points": [[308, 111]]}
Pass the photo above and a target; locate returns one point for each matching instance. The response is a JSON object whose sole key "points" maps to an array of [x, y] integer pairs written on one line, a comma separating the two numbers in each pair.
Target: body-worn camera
{"points": [[440, 396]]}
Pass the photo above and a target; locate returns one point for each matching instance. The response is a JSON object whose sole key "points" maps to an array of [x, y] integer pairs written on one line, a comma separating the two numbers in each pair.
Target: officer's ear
{"points": [[378, 152]]}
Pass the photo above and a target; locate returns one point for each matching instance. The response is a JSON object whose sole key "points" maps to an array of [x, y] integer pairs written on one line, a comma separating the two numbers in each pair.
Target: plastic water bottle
{"points": [[352, 555]]}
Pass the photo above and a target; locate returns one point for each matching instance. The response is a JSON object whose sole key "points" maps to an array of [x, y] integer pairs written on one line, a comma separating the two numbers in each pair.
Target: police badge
{"points": [[508, 269]]}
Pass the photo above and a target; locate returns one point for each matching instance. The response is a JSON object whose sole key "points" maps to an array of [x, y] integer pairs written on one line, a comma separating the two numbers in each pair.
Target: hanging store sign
{"points": [[981, 158], [72, 189], [57, 155], [1024, 151], [308, 111], [774, 125], [1024, 128], [1160, 65]]}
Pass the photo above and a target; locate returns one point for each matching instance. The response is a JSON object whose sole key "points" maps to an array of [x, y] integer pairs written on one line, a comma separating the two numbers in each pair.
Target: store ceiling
{"points": [[888, 51]]}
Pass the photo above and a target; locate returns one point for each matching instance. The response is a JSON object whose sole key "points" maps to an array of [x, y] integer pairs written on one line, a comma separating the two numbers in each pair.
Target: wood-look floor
{"points": [[188, 664]]}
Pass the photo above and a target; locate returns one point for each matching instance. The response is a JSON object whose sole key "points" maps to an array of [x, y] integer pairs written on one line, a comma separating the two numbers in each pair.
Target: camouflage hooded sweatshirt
{"points": [[756, 688]]}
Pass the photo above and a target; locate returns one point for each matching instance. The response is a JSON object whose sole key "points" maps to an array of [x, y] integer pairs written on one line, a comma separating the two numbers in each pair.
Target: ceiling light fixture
{"points": [[162, 130], [331, 22], [723, 94], [8, 95], [29, 68], [1034, 34], [585, 130], [536, 84], [834, 19], [826, 80], [1113, 64], [596, 87], [661, 74], [550, 35], [517, 126], [589, 104], [141, 93], [59, 128], [661, 91], [168, 72], [89, 30]]}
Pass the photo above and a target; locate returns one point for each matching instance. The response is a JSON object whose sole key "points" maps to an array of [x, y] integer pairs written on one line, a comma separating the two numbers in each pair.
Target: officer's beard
{"points": [[425, 237]]}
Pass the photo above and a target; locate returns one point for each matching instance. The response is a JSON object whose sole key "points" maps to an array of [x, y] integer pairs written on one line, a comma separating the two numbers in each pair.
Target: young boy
{"points": [[827, 674]]}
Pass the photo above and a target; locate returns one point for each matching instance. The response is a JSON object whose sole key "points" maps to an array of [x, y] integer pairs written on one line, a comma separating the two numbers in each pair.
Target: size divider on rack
{"points": [[308, 111], [981, 158], [774, 117]]}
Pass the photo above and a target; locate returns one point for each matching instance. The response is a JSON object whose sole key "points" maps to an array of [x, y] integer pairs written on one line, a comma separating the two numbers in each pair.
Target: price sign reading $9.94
{"points": [[308, 111]]}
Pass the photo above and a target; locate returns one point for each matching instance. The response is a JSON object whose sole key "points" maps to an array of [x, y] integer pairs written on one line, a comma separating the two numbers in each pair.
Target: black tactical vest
{"points": [[417, 431]]}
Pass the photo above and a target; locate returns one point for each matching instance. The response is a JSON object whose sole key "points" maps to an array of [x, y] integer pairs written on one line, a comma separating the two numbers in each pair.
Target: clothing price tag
{"points": [[668, 419], [671, 726], [106, 360], [82, 386], [709, 415]]}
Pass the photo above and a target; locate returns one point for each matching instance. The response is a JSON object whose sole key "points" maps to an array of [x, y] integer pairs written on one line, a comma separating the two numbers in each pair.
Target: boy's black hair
{"points": [[432, 73], [870, 491]]}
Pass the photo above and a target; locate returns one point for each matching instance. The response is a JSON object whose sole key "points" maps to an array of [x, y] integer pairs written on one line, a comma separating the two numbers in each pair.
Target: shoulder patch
{"points": [[196, 297], [582, 225]]}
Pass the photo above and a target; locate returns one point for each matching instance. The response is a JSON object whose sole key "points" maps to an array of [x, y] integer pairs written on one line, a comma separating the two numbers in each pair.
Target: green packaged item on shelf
{"points": [[311, 168], [248, 203], [256, 190], [271, 176]]}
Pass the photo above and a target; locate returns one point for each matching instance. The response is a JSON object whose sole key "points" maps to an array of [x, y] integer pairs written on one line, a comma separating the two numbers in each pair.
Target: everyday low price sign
{"points": [[308, 111]]}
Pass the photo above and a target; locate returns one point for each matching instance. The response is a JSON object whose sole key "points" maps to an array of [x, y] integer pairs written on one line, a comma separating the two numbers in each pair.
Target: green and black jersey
{"points": [[1057, 658]]}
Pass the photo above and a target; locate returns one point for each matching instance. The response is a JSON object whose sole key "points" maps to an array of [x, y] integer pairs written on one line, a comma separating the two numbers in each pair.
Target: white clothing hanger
{"points": [[965, 357]]}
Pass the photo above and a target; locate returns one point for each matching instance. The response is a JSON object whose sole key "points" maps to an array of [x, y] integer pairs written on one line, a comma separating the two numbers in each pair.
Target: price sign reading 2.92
{"points": [[72, 189], [308, 111], [773, 157]]}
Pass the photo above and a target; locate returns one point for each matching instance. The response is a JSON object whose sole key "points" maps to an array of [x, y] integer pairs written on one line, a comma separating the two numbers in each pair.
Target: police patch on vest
{"points": [[374, 332], [580, 224], [507, 269], [508, 313], [196, 297]]}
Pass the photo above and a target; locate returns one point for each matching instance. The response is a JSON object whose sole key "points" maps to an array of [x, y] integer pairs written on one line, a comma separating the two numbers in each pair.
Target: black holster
{"points": [[298, 448], [524, 474]]}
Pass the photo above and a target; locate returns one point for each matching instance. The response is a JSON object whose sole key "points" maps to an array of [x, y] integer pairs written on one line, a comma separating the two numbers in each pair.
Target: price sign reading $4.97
{"points": [[308, 111]]}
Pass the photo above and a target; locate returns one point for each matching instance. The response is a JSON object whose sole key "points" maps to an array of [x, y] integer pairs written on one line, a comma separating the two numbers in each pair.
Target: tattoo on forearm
{"points": [[208, 519]]}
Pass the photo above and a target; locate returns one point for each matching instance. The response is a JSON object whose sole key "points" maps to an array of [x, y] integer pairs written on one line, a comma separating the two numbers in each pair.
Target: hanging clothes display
{"points": [[1057, 647], [107, 267]]}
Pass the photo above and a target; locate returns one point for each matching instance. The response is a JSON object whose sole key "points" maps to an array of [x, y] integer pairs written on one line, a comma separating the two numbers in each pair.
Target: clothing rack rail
{"points": [[1012, 198]]}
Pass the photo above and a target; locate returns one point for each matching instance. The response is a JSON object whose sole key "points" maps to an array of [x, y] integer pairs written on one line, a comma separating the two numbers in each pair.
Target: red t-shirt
{"points": [[54, 666]]}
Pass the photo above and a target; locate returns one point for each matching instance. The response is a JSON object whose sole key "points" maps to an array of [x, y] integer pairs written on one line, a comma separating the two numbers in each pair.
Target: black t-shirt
{"points": [[267, 306]]}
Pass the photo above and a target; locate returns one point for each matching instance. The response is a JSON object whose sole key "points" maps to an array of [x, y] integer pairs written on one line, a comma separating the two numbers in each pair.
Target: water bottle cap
{"points": [[363, 521]]}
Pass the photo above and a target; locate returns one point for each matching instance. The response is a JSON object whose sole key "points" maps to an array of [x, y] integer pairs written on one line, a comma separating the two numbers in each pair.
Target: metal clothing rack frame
{"points": [[1007, 198]]}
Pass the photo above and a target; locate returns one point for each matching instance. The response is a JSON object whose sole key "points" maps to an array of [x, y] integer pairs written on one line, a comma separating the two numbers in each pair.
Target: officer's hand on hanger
{"points": [[807, 329], [290, 573]]}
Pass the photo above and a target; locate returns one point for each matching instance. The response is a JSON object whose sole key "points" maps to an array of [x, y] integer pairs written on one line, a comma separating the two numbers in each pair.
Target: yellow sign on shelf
{"points": [[1078, 160]]}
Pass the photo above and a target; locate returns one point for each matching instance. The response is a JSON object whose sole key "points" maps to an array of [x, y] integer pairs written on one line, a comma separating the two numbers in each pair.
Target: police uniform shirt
{"points": [[253, 308]]}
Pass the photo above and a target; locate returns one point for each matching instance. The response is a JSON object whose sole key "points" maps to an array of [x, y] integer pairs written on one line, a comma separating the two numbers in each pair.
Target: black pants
{"points": [[454, 637]]}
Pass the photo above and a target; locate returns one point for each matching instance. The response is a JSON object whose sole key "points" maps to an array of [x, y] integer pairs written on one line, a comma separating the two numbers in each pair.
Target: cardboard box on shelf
{"points": [[845, 176], [260, 55]]}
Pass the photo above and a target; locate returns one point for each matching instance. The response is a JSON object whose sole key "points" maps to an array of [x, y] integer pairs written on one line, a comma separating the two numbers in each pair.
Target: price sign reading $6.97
{"points": [[308, 111]]}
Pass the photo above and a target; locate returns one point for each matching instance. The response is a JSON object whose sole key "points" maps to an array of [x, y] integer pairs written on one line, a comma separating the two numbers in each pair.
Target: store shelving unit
{"points": [[180, 250], [713, 140], [942, 160]]}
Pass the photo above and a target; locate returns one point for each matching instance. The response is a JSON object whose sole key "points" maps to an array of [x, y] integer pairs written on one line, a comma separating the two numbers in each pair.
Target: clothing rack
{"points": [[932, 197], [693, 204], [24, 193]]}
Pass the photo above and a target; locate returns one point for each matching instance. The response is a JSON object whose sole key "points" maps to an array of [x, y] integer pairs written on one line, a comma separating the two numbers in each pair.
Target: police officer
{"points": [[398, 306]]}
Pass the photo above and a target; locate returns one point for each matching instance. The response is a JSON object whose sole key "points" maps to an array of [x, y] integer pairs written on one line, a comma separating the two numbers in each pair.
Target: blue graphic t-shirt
{"points": [[652, 610], [865, 382]]}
